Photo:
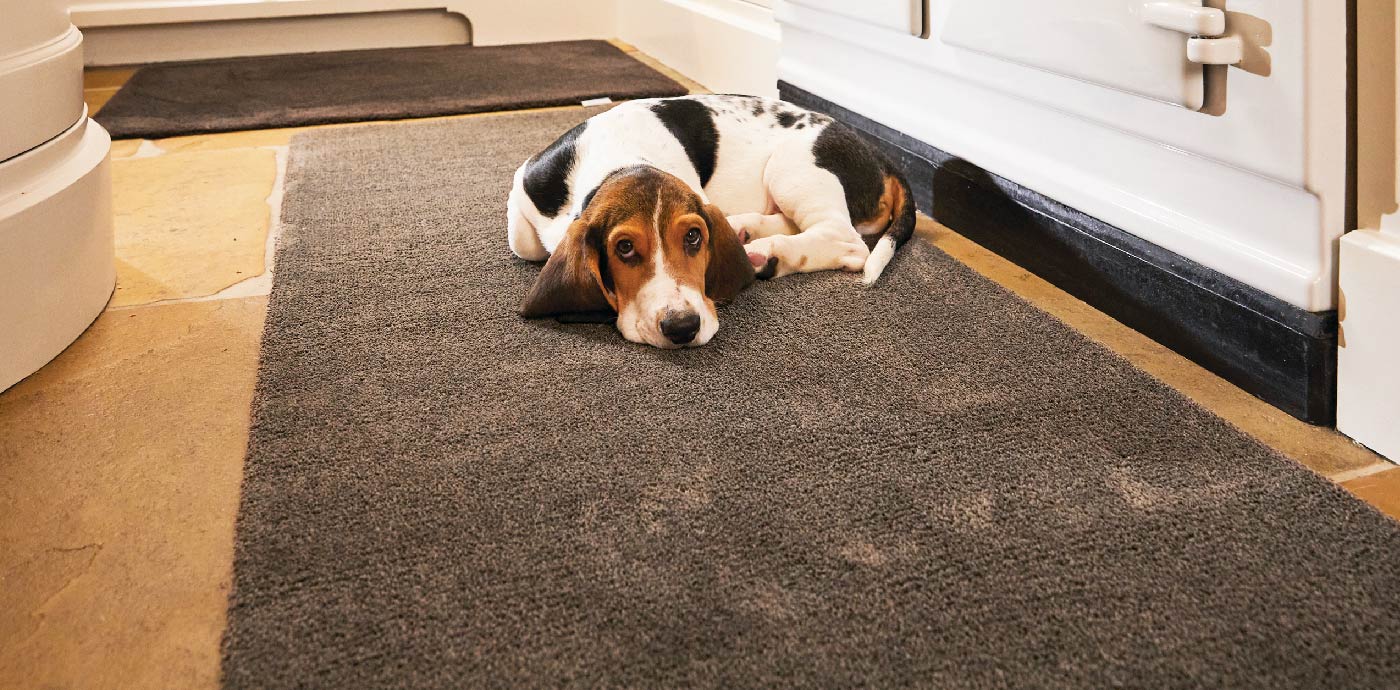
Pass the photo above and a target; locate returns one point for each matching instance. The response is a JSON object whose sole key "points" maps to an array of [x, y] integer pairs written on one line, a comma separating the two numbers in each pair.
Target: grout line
{"points": [[1349, 475], [147, 149]]}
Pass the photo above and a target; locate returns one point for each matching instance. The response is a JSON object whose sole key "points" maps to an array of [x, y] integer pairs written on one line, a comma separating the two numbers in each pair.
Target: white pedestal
{"points": [[1368, 357], [56, 255]]}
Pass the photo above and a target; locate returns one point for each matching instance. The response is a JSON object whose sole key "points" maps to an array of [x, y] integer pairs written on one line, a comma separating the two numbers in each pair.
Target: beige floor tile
{"points": [[106, 77], [120, 465], [96, 98], [1381, 490], [190, 224], [1324, 450]]}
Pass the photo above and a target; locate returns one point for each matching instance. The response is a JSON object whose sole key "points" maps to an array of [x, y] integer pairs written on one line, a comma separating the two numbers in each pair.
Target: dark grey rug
{"points": [[353, 86], [929, 483]]}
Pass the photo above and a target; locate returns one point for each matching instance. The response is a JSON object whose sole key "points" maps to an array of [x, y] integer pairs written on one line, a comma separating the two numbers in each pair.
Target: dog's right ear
{"points": [[729, 271], [571, 281]]}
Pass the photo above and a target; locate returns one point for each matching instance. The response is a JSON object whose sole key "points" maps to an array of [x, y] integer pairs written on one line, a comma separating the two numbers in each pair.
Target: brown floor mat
{"points": [[926, 483], [352, 86]]}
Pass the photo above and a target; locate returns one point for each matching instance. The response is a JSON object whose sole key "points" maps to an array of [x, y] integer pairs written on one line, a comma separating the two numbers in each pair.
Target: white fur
{"points": [[879, 258], [627, 135], [766, 177], [745, 172], [812, 197]]}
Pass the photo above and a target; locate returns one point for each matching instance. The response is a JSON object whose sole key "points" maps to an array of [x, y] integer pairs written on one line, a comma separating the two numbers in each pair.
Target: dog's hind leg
{"points": [[753, 226], [815, 201]]}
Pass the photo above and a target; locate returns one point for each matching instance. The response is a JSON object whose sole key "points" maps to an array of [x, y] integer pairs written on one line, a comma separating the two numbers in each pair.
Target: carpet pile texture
{"points": [[928, 483]]}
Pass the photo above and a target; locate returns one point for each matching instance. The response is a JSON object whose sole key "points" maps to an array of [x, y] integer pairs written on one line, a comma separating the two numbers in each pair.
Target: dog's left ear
{"points": [[729, 271]]}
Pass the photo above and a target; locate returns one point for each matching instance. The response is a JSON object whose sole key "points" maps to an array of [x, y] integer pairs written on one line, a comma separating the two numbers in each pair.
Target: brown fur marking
{"points": [[628, 206]]}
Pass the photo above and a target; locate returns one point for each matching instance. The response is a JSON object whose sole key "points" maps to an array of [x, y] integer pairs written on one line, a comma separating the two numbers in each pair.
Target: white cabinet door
{"points": [[907, 16], [1106, 42]]}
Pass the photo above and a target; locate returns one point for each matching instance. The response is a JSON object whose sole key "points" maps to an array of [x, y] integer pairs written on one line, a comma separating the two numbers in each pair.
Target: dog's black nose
{"points": [[680, 327]]}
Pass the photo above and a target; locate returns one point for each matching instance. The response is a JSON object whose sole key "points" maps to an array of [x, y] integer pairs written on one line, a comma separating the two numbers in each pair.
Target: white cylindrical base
{"points": [[57, 266]]}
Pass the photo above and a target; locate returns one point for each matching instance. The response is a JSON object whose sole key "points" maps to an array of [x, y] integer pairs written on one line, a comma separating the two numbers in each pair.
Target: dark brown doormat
{"points": [[353, 86], [928, 483]]}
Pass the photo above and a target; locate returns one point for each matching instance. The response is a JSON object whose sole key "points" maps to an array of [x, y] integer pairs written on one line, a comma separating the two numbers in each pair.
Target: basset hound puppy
{"points": [[626, 208]]}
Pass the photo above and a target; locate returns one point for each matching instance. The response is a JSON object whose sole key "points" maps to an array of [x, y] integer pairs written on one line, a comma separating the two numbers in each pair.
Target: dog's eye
{"points": [[625, 248], [692, 238]]}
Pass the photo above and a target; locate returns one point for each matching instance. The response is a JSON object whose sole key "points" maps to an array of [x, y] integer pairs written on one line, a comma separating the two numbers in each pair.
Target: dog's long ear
{"points": [[571, 281], [729, 271]]}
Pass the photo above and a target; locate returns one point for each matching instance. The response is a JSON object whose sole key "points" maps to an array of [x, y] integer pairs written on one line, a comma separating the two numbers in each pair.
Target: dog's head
{"points": [[647, 248]]}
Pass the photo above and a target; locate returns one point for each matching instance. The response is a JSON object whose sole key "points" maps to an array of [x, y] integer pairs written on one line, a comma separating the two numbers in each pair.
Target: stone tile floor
{"points": [[120, 462]]}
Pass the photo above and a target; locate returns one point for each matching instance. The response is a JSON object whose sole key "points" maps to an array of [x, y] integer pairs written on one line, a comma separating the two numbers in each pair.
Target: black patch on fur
{"points": [[769, 269], [853, 162], [692, 124], [787, 119], [758, 108], [547, 173], [595, 238], [588, 199]]}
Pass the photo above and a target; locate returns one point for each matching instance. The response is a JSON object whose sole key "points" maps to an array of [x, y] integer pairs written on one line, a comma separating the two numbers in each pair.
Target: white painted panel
{"points": [[493, 22], [1100, 41], [1368, 361], [728, 46], [901, 15], [1260, 231], [1254, 190], [105, 13], [1259, 127], [149, 43]]}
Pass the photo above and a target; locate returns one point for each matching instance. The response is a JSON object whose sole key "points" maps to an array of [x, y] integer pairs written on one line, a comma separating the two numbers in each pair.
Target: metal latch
{"points": [[1205, 26]]}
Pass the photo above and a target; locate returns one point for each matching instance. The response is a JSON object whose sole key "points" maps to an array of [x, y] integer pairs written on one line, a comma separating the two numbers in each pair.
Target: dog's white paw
{"points": [[765, 262]]}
